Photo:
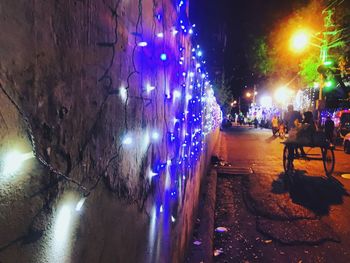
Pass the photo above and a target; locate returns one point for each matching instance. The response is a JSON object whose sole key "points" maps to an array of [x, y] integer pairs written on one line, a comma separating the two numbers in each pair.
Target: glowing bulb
{"points": [[160, 35], [13, 162], [127, 140], [174, 32], [151, 174], [163, 57], [123, 92], [173, 219], [177, 94], [199, 53], [155, 135], [149, 88], [161, 209], [300, 41], [142, 44], [80, 204], [190, 31]]}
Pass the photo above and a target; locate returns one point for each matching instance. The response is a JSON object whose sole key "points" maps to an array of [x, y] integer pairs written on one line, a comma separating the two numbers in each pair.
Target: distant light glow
{"points": [[173, 219], [266, 101], [160, 35], [199, 53], [283, 95], [163, 56]]}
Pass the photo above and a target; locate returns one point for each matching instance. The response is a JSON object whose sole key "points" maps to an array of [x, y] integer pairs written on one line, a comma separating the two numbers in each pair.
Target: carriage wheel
{"points": [[328, 160], [288, 158]]}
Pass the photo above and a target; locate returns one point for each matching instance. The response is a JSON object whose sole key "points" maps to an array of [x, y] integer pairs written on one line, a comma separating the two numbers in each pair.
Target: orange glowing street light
{"points": [[300, 40]]}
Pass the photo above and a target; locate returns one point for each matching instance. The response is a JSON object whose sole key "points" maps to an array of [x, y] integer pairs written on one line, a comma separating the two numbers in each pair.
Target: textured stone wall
{"points": [[75, 93]]}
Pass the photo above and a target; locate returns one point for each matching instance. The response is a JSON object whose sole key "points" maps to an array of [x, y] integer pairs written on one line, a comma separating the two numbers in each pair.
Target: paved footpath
{"points": [[271, 217]]}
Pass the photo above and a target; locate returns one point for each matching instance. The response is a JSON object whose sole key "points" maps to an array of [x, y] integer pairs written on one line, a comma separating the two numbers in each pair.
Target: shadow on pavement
{"points": [[270, 139], [314, 193]]}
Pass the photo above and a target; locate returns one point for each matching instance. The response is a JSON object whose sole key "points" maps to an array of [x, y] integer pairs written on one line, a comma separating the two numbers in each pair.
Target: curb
{"points": [[206, 214]]}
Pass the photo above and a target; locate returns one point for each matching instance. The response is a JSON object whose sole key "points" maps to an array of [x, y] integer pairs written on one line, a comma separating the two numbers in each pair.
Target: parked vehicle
{"points": [[346, 143], [342, 122]]}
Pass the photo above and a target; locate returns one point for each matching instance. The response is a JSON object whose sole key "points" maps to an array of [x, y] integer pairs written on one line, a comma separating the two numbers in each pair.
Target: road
{"points": [[272, 217]]}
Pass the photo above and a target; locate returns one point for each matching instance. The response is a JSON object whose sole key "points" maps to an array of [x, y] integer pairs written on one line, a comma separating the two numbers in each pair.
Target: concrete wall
{"points": [[74, 96]]}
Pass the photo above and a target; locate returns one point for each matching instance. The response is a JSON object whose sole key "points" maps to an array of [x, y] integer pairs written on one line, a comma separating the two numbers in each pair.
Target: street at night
{"points": [[272, 218]]}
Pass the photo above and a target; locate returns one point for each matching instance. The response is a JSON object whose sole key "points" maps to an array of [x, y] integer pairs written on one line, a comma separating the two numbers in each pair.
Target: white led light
{"points": [[160, 35], [149, 88], [176, 94], [142, 44], [123, 92], [151, 174], [127, 140], [13, 161], [80, 204], [155, 135], [174, 31]]}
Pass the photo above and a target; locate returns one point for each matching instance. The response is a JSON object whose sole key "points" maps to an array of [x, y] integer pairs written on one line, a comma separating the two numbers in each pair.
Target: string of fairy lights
{"points": [[190, 110]]}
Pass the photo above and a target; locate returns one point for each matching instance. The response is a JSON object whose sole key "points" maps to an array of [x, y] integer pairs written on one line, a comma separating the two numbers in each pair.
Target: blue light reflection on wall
{"points": [[190, 112]]}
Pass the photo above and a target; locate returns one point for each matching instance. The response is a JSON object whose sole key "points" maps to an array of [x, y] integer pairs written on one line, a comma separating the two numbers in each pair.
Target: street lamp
{"points": [[300, 41], [329, 39]]}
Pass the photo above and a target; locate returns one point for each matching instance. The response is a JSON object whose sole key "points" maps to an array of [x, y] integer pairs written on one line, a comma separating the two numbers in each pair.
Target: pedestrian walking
{"points": [[329, 129]]}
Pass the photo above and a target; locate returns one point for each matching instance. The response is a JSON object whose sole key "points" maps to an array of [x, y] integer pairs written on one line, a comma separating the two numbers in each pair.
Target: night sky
{"points": [[242, 21]]}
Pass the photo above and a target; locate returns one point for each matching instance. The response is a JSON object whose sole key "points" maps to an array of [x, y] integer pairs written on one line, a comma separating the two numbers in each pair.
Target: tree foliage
{"points": [[262, 61]]}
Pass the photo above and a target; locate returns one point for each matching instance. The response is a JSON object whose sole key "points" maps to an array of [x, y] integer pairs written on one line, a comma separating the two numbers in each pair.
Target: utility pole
{"points": [[329, 40], [254, 94]]}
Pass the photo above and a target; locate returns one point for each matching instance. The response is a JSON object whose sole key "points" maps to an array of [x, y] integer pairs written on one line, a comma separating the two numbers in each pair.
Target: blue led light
{"points": [[163, 57]]}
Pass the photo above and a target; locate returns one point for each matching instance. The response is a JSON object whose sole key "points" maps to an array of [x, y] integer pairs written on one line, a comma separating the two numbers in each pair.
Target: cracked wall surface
{"points": [[73, 81]]}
